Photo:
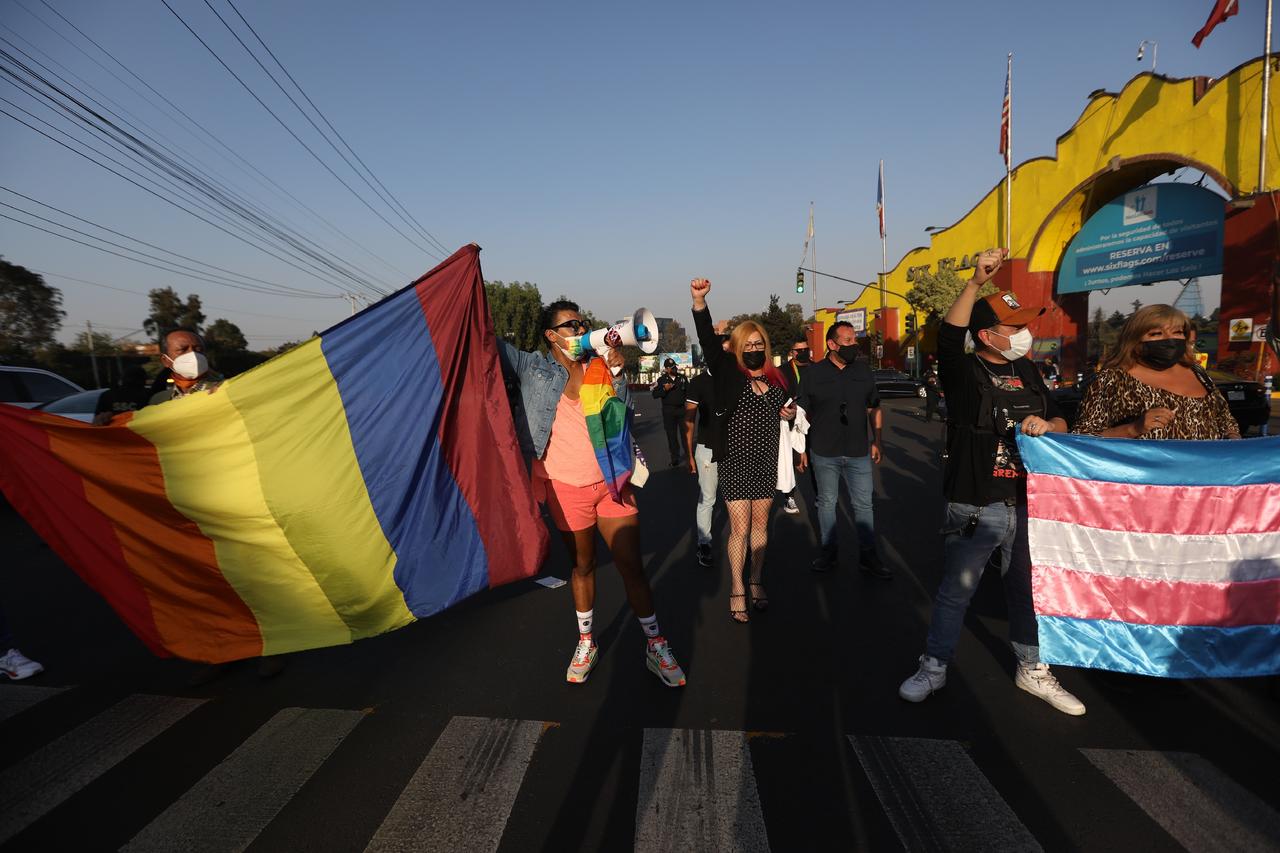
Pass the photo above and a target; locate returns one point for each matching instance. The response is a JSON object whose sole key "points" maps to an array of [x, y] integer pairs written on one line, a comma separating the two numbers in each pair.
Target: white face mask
{"points": [[1019, 343], [190, 365]]}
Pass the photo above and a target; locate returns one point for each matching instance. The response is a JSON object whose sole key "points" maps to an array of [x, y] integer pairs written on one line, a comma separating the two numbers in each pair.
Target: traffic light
{"points": [[911, 324], [799, 281]]}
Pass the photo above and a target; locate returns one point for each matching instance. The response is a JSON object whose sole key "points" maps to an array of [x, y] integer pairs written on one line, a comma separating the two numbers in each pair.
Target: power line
{"points": [[154, 159], [203, 174], [383, 194], [297, 138], [148, 263], [315, 270], [203, 304], [151, 245], [204, 135]]}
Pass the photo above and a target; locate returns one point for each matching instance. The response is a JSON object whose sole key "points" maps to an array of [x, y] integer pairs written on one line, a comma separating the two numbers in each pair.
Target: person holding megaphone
{"points": [[751, 395], [573, 418]]}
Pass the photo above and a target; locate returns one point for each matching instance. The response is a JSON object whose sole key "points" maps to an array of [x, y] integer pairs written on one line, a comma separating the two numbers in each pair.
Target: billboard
{"points": [[1158, 232], [856, 318]]}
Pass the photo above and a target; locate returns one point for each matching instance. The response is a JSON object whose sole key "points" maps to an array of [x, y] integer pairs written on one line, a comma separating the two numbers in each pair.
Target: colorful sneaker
{"points": [[584, 658], [662, 663], [1038, 681], [18, 666], [790, 507], [930, 677]]}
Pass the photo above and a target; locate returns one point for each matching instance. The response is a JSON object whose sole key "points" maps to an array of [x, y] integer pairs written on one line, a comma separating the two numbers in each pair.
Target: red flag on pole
{"points": [[1222, 9], [1005, 148]]}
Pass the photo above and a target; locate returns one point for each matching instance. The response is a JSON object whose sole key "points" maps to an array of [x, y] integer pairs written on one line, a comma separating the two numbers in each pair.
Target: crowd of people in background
{"points": [[744, 426]]}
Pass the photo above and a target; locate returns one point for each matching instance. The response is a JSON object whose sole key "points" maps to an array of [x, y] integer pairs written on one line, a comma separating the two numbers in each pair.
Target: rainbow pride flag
{"points": [[608, 425], [365, 479], [1156, 557]]}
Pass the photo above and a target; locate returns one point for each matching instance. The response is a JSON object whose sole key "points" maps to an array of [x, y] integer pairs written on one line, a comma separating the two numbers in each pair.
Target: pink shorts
{"points": [[576, 508]]}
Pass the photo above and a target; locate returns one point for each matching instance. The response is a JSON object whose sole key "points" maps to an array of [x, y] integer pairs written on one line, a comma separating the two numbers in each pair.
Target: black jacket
{"points": [[726, 377]]}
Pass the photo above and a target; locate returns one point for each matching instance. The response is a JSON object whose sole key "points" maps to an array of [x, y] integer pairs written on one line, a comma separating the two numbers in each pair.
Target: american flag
{"points": [[880, 199], [1006, 148]]}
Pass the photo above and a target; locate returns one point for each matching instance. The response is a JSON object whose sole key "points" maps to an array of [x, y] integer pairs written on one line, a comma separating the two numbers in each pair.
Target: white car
{"points": [[78, 407], [28, 387]]}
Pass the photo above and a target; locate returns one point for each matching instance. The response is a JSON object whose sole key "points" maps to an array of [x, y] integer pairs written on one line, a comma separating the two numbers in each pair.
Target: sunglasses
{"points": [[572, 325]]}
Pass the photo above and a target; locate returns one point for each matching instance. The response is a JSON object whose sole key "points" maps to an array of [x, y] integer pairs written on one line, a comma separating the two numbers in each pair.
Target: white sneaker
{"points": [[930, 677], [1038, 681], [662, 663], [18, 666], [790, 507], [584, 658]]}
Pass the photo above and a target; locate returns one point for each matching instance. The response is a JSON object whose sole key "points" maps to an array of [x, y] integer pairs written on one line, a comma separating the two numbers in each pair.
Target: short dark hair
{"points": [[549, 312], [835, 327], [164, 341], [803, 339]]}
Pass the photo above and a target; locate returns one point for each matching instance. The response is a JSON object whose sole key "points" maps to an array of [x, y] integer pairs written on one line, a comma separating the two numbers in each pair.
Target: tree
{"points": [[101, 344], [1101, 335], [169, 312], [30, 312], [224, 336], [674, 338], [1116, 320], [515, 309], [781, 325], [933, 293]]}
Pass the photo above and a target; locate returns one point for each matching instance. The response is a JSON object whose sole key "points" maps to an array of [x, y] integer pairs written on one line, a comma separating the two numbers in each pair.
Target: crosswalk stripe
{"points": [[18, 698], [1195, 802], [462, 793], [698, 792], [52, 774], [937, 798], [234, 802]]}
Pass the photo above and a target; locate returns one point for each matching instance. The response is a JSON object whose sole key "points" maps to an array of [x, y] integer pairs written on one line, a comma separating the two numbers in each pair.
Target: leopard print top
{"points": [[1114, 398]]}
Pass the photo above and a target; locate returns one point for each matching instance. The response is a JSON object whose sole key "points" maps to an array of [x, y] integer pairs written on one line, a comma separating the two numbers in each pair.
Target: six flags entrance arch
{"points": [[1120, 142]]}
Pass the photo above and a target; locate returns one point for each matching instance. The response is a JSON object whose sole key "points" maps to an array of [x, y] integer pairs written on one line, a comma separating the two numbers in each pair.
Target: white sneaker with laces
{"points": [[662, 662], [1037, 680], [584, 658], [790, 507], [18, 666], [930, 677]]}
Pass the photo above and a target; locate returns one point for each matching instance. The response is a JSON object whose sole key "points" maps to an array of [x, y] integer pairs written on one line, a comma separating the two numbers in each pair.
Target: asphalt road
{"points": [[460, 732]]}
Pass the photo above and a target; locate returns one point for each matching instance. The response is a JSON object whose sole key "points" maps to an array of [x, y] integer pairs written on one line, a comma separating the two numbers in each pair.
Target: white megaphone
{"points": [[640, 331]]}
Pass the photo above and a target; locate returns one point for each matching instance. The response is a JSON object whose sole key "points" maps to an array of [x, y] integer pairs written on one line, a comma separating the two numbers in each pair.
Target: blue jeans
{"points": [[855, 472], [708, 480], [1000, 527]]}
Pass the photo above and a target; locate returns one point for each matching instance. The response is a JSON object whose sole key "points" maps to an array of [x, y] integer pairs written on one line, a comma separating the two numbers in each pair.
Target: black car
{"points": [[895, 383], [1247, 400]]}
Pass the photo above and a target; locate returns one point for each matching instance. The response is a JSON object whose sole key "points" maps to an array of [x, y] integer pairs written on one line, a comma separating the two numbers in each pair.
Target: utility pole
{"points": [[1266, 104], [351, 299], [93, 356]]}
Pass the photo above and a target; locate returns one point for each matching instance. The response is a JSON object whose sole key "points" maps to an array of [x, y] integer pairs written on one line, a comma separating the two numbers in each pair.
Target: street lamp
{"points": [[929, 229], [1155, 49]]}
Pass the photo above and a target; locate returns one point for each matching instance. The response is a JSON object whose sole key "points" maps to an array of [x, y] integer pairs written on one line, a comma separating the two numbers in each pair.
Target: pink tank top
{"points": [[570, 458]]}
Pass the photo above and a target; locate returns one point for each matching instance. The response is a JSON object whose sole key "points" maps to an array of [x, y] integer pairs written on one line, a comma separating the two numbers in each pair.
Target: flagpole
{"points": [[1008, 168], [813, 242], [884, 262], [1266, 104]]}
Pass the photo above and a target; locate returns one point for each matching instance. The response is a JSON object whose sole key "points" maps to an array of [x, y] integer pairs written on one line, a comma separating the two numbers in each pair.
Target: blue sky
{"points": [[604, 152]]}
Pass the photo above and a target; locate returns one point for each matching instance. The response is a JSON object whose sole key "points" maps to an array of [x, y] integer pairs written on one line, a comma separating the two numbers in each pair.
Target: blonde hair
{"points": [[738, 340], [1125, 354]]}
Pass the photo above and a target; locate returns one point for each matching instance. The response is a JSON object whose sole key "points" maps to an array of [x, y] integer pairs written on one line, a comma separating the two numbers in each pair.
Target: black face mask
{"points": [[802, 356], [754, 360], [848, 354], [1164, 353]]}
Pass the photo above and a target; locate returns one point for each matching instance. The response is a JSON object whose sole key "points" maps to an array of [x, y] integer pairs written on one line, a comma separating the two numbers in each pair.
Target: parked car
{"points": [[1247, 400], [895, 383], [78, 407], [28, 387]]}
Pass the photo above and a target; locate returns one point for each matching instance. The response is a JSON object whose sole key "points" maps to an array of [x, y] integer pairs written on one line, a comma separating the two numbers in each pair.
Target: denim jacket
{"points": [[540, 381]]}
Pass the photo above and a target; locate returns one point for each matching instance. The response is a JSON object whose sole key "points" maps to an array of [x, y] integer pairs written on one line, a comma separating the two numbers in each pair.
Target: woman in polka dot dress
{"points": [[751, 397]]}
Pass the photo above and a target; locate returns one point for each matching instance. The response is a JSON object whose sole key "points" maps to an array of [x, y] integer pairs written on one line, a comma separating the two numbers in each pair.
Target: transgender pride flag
{"points": [[1156, 557]]}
